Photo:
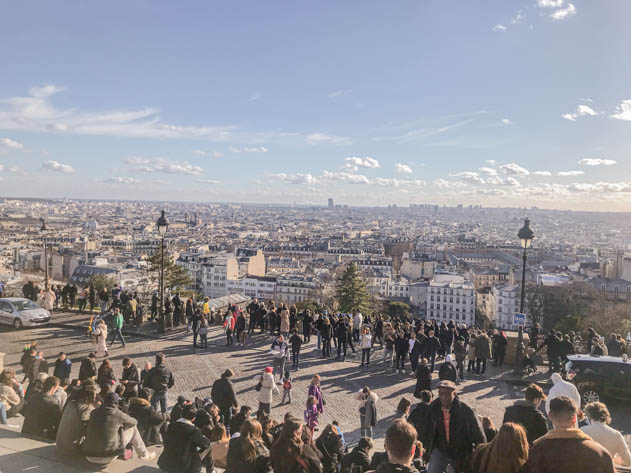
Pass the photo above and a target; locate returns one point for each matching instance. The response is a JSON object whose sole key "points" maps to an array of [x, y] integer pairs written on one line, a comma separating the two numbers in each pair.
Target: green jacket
{"points": [[118, 321]]}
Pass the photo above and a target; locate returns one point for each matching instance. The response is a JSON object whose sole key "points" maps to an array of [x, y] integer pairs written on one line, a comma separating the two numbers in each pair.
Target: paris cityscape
{"points": [[334, 237]]}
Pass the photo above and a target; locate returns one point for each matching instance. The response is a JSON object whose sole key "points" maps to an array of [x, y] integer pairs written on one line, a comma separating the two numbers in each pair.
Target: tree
{"points": [[534, 304], [564, 306], [398, 310], [351, 292], [101, 281], [175, 277]]}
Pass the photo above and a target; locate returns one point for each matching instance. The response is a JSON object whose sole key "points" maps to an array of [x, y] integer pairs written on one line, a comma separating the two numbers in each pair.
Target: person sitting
{"points": [[400, 445], [42, 412], [566, 448], [239, 418], [330, 445], [219, 441], [609, 438], [526, 412], [150, 421], [176, 412], [109, 431], [247, 453], [506, 453], [183, 444], [10, 394], [359, 457], [74, 421]]}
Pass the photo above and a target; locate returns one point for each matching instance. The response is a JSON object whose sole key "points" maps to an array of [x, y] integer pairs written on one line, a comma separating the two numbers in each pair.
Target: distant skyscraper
{"points": [[330, 203]]}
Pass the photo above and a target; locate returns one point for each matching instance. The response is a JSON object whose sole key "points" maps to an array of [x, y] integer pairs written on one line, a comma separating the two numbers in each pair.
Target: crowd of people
{"points": [[103, 418]]}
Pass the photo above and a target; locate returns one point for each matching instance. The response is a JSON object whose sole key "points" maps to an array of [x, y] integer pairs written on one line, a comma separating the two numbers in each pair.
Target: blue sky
{"points": [[371, 103]]}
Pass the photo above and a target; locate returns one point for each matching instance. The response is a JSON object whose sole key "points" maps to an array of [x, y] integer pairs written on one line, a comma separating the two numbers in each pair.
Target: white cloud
{"points": [[13, 169], [164, 165], [255, 149], [570, 173], [499, 27], [254, 97], [403, 168], [600, 187], [514, 169], [340, 93], [469, 176], [121, 180], [323, 138], [488, 171], [519, 17], [199, 152], [58, 167], [391, 182], [581, 111], [563, 13], [597, 162], [354, 163], [542, 173], [512, 182], [506, 121], [491, 162], [623, 111], [208, 181], [233, 149], [9, 143], [443, 184], [550, 3], [346, 177], [302, 179]]}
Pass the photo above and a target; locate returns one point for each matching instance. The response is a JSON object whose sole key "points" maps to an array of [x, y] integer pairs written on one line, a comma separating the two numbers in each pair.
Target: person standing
{"points": [[104, 297], [367, 411], [160, 379], [460, 351], [600, 432], [500, 343], [203, 332], [177, 309], [280, 354], [562, 388], [307, 325], [223, 395], [423, 378], [240, 326], [401, 348], [100, 338], [366, 345], [284, 321], [358, 320], [195, 319], [326, 333], [189, 312], [566, 448], [482, 352], [266, 387], [228, 325], [155, 301], [117, 327], [342, 338], [316, 392], [432, 347], [456, 430], [296, 342]]}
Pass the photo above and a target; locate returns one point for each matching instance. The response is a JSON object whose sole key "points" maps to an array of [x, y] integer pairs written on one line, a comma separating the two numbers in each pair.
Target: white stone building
{"points": [[451, 297]]}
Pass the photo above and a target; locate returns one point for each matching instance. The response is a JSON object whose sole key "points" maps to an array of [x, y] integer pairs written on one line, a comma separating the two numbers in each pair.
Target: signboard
{"points": [[519, 319]]}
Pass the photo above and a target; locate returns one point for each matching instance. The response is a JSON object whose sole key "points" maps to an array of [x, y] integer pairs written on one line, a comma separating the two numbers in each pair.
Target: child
{"points": [[286, 387], [311, 413]]}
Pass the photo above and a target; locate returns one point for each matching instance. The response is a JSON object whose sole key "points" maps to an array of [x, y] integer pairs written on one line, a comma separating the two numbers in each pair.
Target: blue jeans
{"points": [[117, 332], [438, 462], [159, 397], [3, 414]]}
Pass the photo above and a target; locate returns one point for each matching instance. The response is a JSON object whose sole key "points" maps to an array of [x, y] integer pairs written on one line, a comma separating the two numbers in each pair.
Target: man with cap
{"points": [[109, 431], [456, 430], [223, 395]]}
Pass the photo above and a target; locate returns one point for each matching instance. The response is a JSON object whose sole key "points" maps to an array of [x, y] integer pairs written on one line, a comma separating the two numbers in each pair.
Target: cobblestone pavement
{"points": [[195, 370]]}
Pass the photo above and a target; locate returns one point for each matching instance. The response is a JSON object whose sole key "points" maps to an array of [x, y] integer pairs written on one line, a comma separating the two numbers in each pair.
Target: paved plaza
{"points": [[195, 370]]}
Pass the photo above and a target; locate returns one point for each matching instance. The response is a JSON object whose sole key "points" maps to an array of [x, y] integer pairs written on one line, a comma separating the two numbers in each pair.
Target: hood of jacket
{"points": [[139, 402]]}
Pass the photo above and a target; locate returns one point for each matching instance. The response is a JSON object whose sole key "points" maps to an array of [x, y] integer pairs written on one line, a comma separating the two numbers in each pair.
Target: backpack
{"points": [[287, 384]]}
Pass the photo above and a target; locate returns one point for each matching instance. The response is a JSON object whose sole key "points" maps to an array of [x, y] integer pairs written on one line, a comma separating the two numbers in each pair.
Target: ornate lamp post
{"points": [[526, 235], [44, 229], [163, 225]]}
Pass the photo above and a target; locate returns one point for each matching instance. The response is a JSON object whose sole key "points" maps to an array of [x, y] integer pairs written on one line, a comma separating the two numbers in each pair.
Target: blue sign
{"points": [[519, 319]]}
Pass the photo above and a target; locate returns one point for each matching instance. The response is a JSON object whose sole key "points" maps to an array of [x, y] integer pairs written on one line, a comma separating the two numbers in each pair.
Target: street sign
{"points": [[519, 319]]}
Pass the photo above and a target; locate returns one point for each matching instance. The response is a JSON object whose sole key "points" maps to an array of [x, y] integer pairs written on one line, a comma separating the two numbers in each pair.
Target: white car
{"points": [[22, 313]]}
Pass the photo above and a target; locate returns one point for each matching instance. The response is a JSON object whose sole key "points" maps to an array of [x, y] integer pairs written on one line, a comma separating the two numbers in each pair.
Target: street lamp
{"points": [[526, 235], [43, 229], [163, 225]]}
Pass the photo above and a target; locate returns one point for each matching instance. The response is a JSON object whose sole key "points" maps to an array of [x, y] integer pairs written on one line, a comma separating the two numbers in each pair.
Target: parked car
{"points": [[599, 378], [22, 313]]}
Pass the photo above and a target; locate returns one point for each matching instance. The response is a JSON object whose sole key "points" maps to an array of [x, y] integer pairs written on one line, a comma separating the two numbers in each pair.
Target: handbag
{"points": [[258, 386]]}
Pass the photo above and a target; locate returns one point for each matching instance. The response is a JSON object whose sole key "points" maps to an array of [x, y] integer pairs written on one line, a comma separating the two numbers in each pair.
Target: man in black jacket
{"points": [[341, 332], [456, 430], [431, 348], [150, 421], [527, 413], [183, 444], [160, 379], [358, 457], [223, 395], [129, 379], [42, 412]]}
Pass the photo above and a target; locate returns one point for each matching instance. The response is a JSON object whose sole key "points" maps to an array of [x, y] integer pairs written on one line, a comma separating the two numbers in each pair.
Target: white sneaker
{"points": [[397, 371], [148, 456]]}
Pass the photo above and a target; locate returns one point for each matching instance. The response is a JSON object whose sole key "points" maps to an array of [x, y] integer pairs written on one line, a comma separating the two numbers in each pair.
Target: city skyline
{"points": [[511, 105]]}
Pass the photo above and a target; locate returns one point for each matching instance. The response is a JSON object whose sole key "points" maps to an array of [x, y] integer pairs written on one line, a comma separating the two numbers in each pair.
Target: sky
{"points": [[511, 103]]}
